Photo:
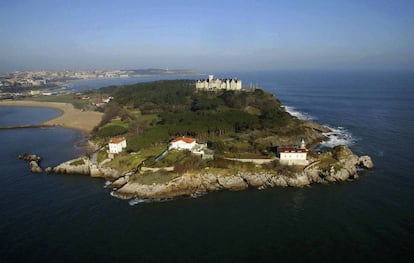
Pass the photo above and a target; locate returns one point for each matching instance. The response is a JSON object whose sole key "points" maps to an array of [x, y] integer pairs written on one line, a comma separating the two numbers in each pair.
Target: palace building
{"points": [[212, 84]]}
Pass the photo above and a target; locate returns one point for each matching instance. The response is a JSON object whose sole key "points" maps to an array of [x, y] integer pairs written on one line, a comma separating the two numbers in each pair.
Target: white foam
{"points": [[298, 114], [197, 194], [338, 136], [137, 201], [114, 194]]}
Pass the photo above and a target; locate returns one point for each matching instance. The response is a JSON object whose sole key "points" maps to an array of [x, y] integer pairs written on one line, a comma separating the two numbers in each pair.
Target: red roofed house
{"points": [[116, 145], [182, 143], [293, 155]]}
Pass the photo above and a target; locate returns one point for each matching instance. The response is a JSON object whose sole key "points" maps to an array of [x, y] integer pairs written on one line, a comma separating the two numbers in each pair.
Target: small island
{"points": [[166, 139]]}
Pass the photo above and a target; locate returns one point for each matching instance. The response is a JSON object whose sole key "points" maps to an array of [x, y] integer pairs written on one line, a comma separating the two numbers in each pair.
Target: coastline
{"points": [[70, 117]]}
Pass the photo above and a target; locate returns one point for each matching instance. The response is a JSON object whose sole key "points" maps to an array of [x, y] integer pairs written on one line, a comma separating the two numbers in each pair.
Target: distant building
{"points": [[213, 84], [116, 145], [293, 155]]}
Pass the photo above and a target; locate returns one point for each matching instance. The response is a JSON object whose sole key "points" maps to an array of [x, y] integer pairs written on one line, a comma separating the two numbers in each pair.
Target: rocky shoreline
{"points": [[344, 165], [203, 182]]}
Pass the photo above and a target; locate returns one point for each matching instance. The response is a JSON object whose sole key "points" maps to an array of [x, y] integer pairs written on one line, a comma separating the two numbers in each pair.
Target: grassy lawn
{"points": [[125, 162], [153, 177], [114, 128], [118, 123], [172, 158], [102, 155], [78, 162], [128, 161], [326, 161]]}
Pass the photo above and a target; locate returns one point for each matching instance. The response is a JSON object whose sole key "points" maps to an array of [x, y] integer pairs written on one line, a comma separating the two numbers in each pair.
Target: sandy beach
{"points": [[70, 117]]}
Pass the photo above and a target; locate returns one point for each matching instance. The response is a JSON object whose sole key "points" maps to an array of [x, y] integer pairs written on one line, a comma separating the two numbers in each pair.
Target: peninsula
{"points": [[166, 139]]}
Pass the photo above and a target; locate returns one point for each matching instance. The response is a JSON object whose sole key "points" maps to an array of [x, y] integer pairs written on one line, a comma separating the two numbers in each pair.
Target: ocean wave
{"points": [[107, 183], [136, 201], [337, 136], [298, 114], [124, 197]]}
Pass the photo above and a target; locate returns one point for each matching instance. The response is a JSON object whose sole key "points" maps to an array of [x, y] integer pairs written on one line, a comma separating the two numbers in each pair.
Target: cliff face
{"points": [[343, 165], [292, 134]]}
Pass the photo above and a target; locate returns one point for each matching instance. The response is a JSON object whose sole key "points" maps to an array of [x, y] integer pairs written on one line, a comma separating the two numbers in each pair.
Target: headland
{"points": [[167, 139]]}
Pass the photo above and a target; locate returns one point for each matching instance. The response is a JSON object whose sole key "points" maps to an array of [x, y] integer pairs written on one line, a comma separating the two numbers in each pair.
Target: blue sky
{"points": [[206, 35]]}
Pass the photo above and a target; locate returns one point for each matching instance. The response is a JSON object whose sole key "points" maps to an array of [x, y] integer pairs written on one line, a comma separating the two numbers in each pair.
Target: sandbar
{"points": [[70, 117]]}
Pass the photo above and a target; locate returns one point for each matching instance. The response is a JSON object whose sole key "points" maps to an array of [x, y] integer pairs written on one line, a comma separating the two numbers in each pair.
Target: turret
{"points": [[302, 144]]}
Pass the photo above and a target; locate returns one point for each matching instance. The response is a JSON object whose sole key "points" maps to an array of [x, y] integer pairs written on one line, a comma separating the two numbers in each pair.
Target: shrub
{"points": [[111, 130]]}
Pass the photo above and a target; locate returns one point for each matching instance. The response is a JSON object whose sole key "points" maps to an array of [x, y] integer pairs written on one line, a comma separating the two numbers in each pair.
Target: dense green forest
{"points": [[154, 112]]}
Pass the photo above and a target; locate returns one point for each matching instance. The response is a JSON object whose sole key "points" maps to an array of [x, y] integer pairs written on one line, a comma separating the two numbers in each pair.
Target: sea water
{"points": [[70, 218]]}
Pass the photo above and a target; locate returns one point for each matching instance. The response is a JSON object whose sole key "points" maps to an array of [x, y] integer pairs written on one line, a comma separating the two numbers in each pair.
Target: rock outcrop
{"points": [[30, 157], [71, 168], [366, 162], [86, 167], [34, 167], [343, 165], [33, 160], [81, 166]]}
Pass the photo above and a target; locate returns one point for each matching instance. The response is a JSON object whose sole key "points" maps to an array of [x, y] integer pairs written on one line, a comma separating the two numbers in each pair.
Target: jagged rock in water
{"points": [[34, 167], [366, 162], [30, 157]]}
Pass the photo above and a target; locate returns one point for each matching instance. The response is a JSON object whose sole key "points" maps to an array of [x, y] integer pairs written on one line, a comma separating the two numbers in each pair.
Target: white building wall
{"points": [[117, 147], [295, 158], [182, 145]]}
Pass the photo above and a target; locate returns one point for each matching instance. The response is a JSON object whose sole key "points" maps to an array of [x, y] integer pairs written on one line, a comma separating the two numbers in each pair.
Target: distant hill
{"points": [[157, 71]]}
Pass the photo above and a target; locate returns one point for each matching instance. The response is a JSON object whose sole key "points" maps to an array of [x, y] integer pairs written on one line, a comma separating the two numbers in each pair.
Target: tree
{"points": [[137, 127]]}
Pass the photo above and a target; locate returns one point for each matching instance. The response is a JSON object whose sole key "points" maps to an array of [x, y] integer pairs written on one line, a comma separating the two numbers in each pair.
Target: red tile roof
{"points": [[117, 140], [294, 149], [184, 139]]}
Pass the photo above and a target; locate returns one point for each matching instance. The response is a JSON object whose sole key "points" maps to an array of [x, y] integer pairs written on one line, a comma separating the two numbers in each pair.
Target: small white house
{"points": [[182, 143], [116, 145], [293, 155]]}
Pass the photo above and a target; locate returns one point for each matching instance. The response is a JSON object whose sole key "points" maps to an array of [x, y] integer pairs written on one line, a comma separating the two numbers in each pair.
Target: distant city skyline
{"points": [[208, 36]]}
